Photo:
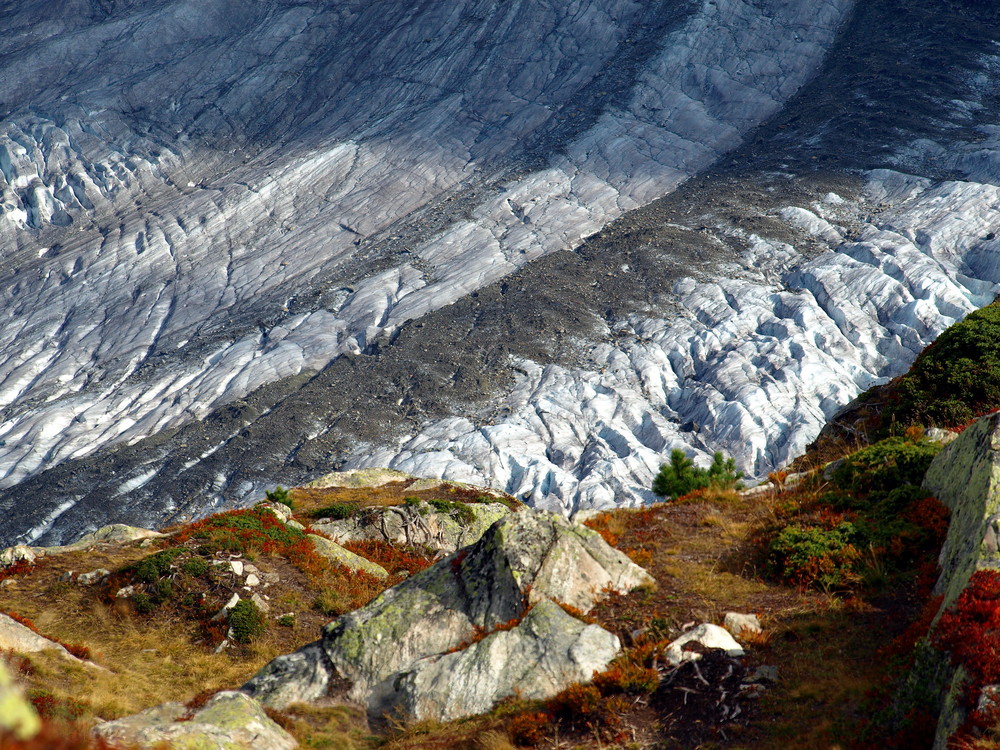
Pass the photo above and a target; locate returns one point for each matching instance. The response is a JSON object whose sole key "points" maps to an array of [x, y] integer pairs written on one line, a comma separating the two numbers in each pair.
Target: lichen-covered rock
{"points": [[17, 716], [116, 533], [16, 637], [375, 477], [418, 524], [17, 553], [965, 476], [547, 651], [523, 559], [337, 554], [229, 721]]}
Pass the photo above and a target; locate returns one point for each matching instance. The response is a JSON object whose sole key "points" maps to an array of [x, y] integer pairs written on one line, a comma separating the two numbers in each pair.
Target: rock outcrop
{"points": [[547, 651], [19, 638], [965, 476], [340, 556], [525, 559], [229, 721], [421, 524]]}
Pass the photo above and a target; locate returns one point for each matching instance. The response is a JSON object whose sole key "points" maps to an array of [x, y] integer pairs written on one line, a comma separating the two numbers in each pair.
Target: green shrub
{"points": [[955, 379], [287, 621], [195, 566], [886, 466], [242, 531], [681, 476], [336, 511], [816, 557], [152, 568], [280, 495], [462, 513], [246, 621]]}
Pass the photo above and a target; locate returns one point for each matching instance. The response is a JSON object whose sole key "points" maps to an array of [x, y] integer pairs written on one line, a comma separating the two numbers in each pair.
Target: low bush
{"points": [[886, 466], [250, 530], [151, 569], [955, 379], [336, 511], [195, 566], [681, 476], [816, 557], [247, 621]]}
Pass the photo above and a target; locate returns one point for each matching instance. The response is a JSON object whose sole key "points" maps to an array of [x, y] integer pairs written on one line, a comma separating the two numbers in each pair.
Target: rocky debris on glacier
{"points": [[210, 283], [525, 561], [230, 720]]}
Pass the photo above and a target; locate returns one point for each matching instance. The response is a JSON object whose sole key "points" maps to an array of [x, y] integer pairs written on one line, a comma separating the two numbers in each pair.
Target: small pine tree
{"points": [[681, 476], [279, 495]]}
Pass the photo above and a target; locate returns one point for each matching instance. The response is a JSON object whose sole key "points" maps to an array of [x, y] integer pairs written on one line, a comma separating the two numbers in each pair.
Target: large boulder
{"points": [[965, 476], [524, 559], [19, 638], [548, 650], [419, 523], [340, 556], [229, 721]]}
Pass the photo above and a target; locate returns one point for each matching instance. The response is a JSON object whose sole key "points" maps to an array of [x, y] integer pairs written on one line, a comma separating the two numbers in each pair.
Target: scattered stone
{"points": [[86, 579], [16, 554], [17, 715], [17, 637], [337, 554], [116, 533], [764, 673], [282, 511], [939, 435], [706, 635], [252, 580], [66, 576], [293, 524], [229, 721], [233, 601], [262, 605], [738, 624], [236, 566], [125, 592]]}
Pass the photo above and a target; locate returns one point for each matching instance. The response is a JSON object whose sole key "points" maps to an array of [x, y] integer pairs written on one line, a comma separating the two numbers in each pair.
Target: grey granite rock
{"points": [[526, 558], [229, 721]]}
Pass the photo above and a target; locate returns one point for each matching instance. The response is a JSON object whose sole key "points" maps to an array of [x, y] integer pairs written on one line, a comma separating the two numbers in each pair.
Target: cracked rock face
{"points": [[530, 247], [394, 652]]}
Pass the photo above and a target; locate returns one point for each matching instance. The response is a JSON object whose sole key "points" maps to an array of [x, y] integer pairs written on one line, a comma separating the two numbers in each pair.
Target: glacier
{"points": [[246, 243]]}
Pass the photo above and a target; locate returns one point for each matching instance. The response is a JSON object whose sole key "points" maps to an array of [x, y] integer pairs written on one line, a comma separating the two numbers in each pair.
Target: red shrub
{"points": [[528, 729], [391, 557], [970, 632]]}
